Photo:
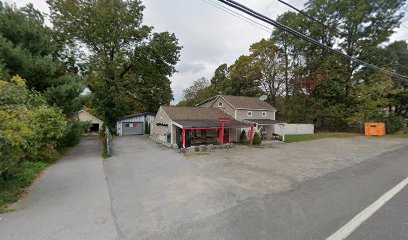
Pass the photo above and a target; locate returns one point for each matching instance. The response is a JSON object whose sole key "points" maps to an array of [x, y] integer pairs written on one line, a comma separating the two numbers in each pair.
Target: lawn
{"points": [[308, 137]]}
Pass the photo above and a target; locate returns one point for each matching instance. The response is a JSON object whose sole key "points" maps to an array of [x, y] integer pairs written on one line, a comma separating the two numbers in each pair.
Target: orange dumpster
{"points": [[375, 129]]}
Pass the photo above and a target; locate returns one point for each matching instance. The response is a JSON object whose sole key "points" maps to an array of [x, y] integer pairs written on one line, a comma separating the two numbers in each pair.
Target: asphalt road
{"points": [[390, 222], [159, 194], [147, 191], [314, 210], [69, 202]]}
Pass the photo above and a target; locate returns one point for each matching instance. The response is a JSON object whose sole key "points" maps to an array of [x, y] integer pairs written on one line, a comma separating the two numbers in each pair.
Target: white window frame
{"points": [[220, 104], [249, 114], [263, 114]]}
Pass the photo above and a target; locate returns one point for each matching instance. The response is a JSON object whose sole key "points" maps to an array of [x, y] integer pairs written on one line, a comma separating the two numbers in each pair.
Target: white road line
{"points": [[360, 218]]}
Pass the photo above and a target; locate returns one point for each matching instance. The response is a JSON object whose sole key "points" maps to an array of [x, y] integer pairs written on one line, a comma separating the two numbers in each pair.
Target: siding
{"points": [[256, 114], [148, 118], [228, 108], [87, 117], [159, 133]]}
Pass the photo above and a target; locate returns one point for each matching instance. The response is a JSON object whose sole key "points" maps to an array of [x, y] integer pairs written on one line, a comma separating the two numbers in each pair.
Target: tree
{"points": [[29, 127], [245, 78], [257, 139], [266, 58], [196, 93], [221, 78], [129, 65], [28, 48]]}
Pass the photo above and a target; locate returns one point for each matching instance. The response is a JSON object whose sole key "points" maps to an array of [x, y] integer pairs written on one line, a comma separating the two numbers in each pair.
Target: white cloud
{"points": [[209, 36]]}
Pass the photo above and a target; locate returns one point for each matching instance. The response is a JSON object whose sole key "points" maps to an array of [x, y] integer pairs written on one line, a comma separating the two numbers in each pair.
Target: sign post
{"points": [[223, 121]]}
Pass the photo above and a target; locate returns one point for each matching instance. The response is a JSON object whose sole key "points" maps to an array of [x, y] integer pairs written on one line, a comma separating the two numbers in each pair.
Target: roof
{"points": [[193, 113], [137, 115], [212, 124], [200, 117], [241, 102], [264, 121], [248, 102], [92, 116]]}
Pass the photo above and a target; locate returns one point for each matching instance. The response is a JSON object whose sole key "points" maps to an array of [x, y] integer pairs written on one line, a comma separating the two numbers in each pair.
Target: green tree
{"points": [[257, 139], [221, 78], [28, 48], [30, 128], [129, 65], [196, 93]]}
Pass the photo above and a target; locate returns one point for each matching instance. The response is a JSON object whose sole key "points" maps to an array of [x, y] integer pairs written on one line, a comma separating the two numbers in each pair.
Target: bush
{"points": [[243, 138], [257, 139], [73, 133], [393, 123], [16, 179]]}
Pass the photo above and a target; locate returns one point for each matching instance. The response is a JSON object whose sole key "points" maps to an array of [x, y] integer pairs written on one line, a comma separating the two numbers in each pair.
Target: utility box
{"points": [[375, 129]]}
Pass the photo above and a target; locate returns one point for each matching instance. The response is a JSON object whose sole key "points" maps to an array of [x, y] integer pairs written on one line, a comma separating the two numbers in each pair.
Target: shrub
{"points": [[16, 179], [393, 123], [243, 138], [73, 133], [257, 139]]}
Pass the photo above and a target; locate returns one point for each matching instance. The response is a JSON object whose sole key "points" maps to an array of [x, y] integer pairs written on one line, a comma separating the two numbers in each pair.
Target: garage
{"points": [[132, 128], [135, 124]]}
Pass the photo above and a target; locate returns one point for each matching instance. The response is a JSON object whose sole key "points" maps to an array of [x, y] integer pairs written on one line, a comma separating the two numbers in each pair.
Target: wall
{"points": [[295, 129], [256, 114], [226, 106], [148, 118], [159, 133], [86, 117]]}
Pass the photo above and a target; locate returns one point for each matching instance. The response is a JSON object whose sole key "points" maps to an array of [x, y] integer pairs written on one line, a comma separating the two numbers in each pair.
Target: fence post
{"points": [[108, 142]]}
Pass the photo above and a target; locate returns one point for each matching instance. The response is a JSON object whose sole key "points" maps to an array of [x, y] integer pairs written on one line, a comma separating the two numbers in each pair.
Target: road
{"points": [[390, 222], [147, 191], [158, 194], [70, 201]]}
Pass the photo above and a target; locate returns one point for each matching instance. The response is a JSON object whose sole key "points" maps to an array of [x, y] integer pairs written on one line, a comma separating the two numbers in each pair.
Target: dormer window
{"points": [[220, 104], [249, 113], [263, 114]]}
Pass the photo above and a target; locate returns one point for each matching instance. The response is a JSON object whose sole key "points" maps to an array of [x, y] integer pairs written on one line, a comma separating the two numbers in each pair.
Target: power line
{"points": [[240, 16], [295, 33], [335, 30]]}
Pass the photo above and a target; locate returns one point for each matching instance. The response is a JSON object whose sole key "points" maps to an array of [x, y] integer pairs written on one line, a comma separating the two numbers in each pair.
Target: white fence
{"points": [[294, 129]]}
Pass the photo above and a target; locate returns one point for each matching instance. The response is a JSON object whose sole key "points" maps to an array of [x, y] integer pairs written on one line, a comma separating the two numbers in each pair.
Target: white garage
{"points": [[134, 124]]}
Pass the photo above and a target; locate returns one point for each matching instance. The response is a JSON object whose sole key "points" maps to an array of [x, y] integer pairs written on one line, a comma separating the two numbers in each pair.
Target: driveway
{"points": [[70, 201], [158, 193]]}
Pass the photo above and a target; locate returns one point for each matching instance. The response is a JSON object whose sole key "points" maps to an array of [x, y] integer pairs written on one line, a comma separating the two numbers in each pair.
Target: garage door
{"points": [[132, 128]]}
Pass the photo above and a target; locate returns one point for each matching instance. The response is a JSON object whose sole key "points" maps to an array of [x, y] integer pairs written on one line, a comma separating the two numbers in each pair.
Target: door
{"points": [[132, 128]]}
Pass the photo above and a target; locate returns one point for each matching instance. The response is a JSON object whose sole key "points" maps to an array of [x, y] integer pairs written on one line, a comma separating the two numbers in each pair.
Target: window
{"points": [[263, 114], [249, 113], [220, 104]]}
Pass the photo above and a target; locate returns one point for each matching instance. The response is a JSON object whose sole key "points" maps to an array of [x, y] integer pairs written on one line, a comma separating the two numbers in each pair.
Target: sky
{"points": [[209, 35]]}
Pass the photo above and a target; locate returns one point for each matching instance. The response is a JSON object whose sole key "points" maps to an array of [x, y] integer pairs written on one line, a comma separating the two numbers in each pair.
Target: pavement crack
{"points": [[119, 232]]}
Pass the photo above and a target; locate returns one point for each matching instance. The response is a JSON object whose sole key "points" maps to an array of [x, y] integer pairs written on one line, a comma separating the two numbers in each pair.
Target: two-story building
{"points": [[247, 109], [186, 126]]}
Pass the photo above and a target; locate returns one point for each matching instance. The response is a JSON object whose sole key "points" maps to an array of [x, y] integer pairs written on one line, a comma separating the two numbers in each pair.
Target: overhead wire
{"points": [[295, 33], [240, 16]]}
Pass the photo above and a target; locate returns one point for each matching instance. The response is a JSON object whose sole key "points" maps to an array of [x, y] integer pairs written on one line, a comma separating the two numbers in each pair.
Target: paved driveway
{"points": [[158, 193], [69, 202]]}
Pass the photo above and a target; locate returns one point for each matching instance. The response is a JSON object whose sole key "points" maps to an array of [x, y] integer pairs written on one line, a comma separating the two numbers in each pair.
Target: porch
{"points": [[203, 132]]}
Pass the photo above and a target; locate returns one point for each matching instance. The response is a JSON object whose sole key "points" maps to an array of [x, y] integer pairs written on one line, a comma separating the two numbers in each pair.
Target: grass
{"points": [[309, 137], [14, 183]]}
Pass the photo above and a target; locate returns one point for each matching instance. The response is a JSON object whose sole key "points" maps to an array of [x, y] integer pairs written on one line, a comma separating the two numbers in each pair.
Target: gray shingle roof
{"points": [[247, 102], [193, 113]]}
